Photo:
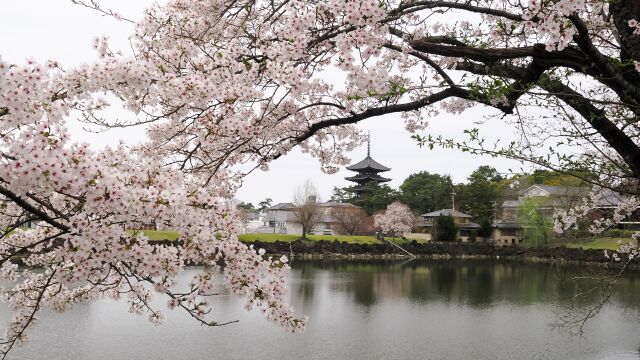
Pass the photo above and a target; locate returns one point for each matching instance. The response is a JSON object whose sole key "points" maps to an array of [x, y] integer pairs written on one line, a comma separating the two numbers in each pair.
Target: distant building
{"points": [[507, 229], [556, 197], [252, 221], [281, 219], [368, 171], [467, 229]]}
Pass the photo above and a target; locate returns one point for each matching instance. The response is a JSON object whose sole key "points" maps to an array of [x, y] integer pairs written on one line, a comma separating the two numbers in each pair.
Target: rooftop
{"points": [[570, 196], [559, 190], [290, 206], [367, 177], [446, 212], [368, 163]]}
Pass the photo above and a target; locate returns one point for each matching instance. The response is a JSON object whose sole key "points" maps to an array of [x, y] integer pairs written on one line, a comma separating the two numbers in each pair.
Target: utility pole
{"points": [[453, 199]]}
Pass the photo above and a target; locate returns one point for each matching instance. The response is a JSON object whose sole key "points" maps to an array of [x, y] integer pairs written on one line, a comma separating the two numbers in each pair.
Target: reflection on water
{"points": [[370, 310], [472, 283]]}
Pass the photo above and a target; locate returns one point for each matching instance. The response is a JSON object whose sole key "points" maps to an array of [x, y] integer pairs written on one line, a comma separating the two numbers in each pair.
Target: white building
{"points": [[281, 219]]}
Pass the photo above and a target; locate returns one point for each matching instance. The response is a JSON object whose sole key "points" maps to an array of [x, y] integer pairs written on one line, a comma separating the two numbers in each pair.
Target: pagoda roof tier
{"points": [[367, 178], [368, 164]]}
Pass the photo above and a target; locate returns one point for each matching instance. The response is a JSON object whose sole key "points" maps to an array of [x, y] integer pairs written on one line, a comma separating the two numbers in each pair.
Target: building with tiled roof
{"points": [[507, 228], [368, 171], [281, 219], [466, 228]]}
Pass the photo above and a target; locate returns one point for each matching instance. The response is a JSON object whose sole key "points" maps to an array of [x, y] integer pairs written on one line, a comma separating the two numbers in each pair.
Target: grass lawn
{"points": [[290, 237], [156, 235], [610, 243]]}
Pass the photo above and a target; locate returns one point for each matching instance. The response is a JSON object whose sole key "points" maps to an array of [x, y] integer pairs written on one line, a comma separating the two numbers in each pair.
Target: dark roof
{"points": [[469, 226], [367, 177], [337, 204], [446, 212], [508, 225], [562, 197], [560, 190], [290, 206], [368, 163], [281, 206], [610, 198]]}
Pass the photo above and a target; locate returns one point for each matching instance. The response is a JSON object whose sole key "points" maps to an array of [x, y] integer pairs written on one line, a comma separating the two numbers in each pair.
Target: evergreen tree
{"points": [[446, 229]]}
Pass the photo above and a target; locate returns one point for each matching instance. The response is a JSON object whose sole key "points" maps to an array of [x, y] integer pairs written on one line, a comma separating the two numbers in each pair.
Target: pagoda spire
{"points": [[367, 170]]}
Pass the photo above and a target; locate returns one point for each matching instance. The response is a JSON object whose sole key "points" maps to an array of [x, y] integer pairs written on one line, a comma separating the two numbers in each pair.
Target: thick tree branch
{"points": [[597, 118], [32, 209], [426, 4], [626, 90], [383, 110]]}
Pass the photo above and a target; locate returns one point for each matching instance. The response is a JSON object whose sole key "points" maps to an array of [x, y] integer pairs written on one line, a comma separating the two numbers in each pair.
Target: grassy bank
{"points": [[155, 235], [610, 243], [290, 237]]}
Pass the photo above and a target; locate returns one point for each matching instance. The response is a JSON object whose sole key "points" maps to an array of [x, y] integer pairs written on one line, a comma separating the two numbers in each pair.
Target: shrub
{"points": [[485, 228], [446, 229]]}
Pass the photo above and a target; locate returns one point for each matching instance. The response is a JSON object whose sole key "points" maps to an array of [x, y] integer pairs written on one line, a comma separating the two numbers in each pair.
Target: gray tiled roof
{"points": [[368, 177], [610, 198], [282, 216], [368, 163], [281, 206], [337, 204], [469, 226], [284, 212], [446, 212], [508, 225], [562, 196], [560, 190]]}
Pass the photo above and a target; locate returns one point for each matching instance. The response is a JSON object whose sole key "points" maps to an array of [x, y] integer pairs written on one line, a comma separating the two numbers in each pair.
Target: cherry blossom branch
{"points": [[7, 345], [93, 5], [32, 209]]}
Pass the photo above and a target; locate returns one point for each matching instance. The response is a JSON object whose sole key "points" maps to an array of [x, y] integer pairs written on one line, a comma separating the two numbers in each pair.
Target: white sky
{"points": [[62, 31]]}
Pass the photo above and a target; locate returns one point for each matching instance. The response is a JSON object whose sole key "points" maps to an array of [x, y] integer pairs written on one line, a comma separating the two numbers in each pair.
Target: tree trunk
{"points": [[623, 11]]}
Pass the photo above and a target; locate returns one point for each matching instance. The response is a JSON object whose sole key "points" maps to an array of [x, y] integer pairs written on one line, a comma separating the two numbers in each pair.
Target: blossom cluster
{"points": [[395, 220], [590, 206]]}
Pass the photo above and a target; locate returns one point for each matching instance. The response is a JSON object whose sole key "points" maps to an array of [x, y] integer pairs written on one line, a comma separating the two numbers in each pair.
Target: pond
{"points": [[421, 309]]}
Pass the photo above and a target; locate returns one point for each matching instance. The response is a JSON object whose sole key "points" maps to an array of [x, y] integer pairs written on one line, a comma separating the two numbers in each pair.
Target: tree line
{"points": [[479, 196]]}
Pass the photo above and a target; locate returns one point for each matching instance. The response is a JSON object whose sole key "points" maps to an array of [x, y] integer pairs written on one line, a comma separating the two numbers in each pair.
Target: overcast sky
{"points": [[60, 30]]}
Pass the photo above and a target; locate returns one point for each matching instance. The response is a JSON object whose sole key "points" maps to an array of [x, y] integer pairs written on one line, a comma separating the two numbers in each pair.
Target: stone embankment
{"points": [[335, 249], [432, 250]]}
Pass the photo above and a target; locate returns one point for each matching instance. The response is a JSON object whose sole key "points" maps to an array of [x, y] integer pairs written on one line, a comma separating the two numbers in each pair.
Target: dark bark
{"points": [[616, 138], [622, 11]]}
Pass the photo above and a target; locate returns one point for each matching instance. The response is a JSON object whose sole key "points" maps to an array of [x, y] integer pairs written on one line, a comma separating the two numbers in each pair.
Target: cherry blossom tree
{"points": [[395, 220], [224, 85]]}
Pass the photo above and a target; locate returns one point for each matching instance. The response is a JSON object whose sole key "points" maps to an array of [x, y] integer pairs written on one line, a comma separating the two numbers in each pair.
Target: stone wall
{"points": [[434, 249], [328, 249]]}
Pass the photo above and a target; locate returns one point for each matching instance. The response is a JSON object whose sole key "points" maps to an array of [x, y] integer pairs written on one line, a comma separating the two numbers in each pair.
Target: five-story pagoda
{"points": [[368, 170]]}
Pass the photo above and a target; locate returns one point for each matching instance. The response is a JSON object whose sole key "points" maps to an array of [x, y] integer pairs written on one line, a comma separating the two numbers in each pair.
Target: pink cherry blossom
{"points": [[395, 220]]}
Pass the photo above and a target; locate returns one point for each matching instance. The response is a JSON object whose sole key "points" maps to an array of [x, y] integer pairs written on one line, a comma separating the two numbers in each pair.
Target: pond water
{"points": [[422, 309]]}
